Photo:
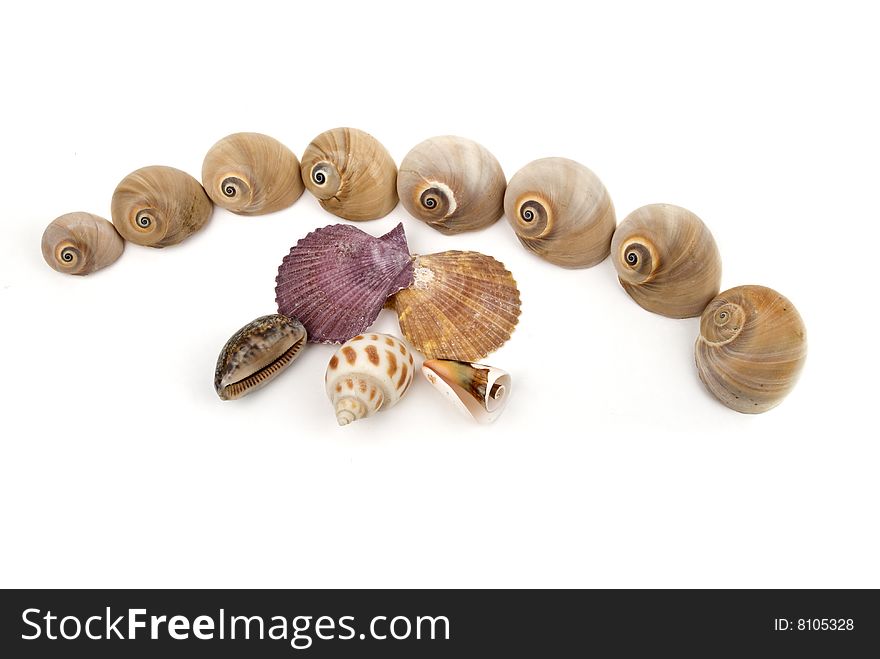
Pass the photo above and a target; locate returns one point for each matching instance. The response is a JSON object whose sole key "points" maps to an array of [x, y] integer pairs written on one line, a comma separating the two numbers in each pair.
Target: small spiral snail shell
{"points": [[751, 348], [667, 260], [560, 210], [371, 372], [251, 174], [158, 206], [351, 173], [80, 243], [453, 184]]}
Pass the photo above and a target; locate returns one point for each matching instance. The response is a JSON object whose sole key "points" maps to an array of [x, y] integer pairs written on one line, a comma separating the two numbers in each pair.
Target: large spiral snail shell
{"points": [[667, 260], [158, 206], [80, 243], [453, 184], [751, 348], [371, 372], [251, 174], [560, 210], [351, 173]]}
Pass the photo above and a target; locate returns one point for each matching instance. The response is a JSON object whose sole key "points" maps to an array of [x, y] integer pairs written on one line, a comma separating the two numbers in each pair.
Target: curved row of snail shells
{"points": [[751, 349], [453, 184], [561, 211], [369, 373], [251, 174], [158, 206], [351, 173], [80, 243], [667, 260]]}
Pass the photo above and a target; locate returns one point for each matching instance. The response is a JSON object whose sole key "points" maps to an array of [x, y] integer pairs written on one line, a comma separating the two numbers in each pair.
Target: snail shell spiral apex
{"points": [[80, 243], [751, 348]]}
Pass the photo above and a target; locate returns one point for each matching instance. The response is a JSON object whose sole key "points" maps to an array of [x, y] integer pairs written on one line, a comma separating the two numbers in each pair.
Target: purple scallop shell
{"points": [[336, 280]]}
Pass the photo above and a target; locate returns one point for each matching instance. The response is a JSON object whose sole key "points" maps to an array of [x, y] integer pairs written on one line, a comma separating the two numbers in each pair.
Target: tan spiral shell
{"points": [[351, 173], [251, 174], [751, 348], [453, 184], [158, 206], [667, 260], [560, 210], [371, 372], [80, 243]]}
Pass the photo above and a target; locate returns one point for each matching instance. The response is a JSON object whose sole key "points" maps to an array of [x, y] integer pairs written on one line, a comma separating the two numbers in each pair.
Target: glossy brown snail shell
{"points": [[251, 174], [351, 173], [80, 243], [560, 211], [751, 348], [452, 184], [158, 206], [667, 260]]}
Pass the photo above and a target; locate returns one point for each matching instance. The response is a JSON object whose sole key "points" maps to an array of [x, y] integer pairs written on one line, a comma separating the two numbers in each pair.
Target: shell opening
{"points": [[319, 174], [438, 200], [144, 219], [533, 218], [241, 386], [69, 254], [232, 186]]}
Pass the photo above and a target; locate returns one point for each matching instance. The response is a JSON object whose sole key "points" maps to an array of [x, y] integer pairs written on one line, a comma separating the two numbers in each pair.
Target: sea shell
{"points": [[476, 390], [251, 174], [667, 260], [80, 243], [336, 279], [351, 173], [371, 372], [560, 210], [751, 348], [461, 306], [256, 354], [158, 206], [453, 184]]}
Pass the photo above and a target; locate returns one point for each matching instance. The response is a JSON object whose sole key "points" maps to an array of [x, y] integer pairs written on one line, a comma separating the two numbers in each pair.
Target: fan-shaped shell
{"points": [[351, 173], [336, 279], [251, 174], [80, 243], [560, 210], [256, 354], [667, 260], [751, 348], [461, 306], [371, 372], [477, 390], [453, 184], [158, 206]]}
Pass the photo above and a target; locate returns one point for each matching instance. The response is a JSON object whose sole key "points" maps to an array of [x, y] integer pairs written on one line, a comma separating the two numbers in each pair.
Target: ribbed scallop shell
{"points": [[80, 243], [751, 348], [453, 184], [251, 174], [336, 279], [351, 173], [667, 260], [158, 206], [461, 306]]}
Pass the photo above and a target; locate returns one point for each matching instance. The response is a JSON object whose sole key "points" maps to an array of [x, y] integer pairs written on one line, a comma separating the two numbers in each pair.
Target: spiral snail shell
{"points": [[751, 348], [667, 260], [453, 184], [80, 243], [158, 206], [251, 174], [560, 211], [351, 173], [371, 372]]}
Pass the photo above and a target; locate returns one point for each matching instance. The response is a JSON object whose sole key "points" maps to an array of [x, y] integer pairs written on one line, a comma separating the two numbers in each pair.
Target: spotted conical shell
{"points": [[477, 390], [336, 279]]}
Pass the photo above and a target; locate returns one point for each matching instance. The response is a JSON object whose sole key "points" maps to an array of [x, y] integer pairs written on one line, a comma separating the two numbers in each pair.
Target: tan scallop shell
{"points": [[560, 210], [461, 306], [80, 243], [667, 260], [351, 173], [158, 206], [453, 184], [751, 348], [251, 174]]}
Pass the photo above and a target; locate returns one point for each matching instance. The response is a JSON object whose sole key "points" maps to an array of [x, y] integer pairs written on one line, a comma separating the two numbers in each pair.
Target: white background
{"points": [[611, 466]]}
